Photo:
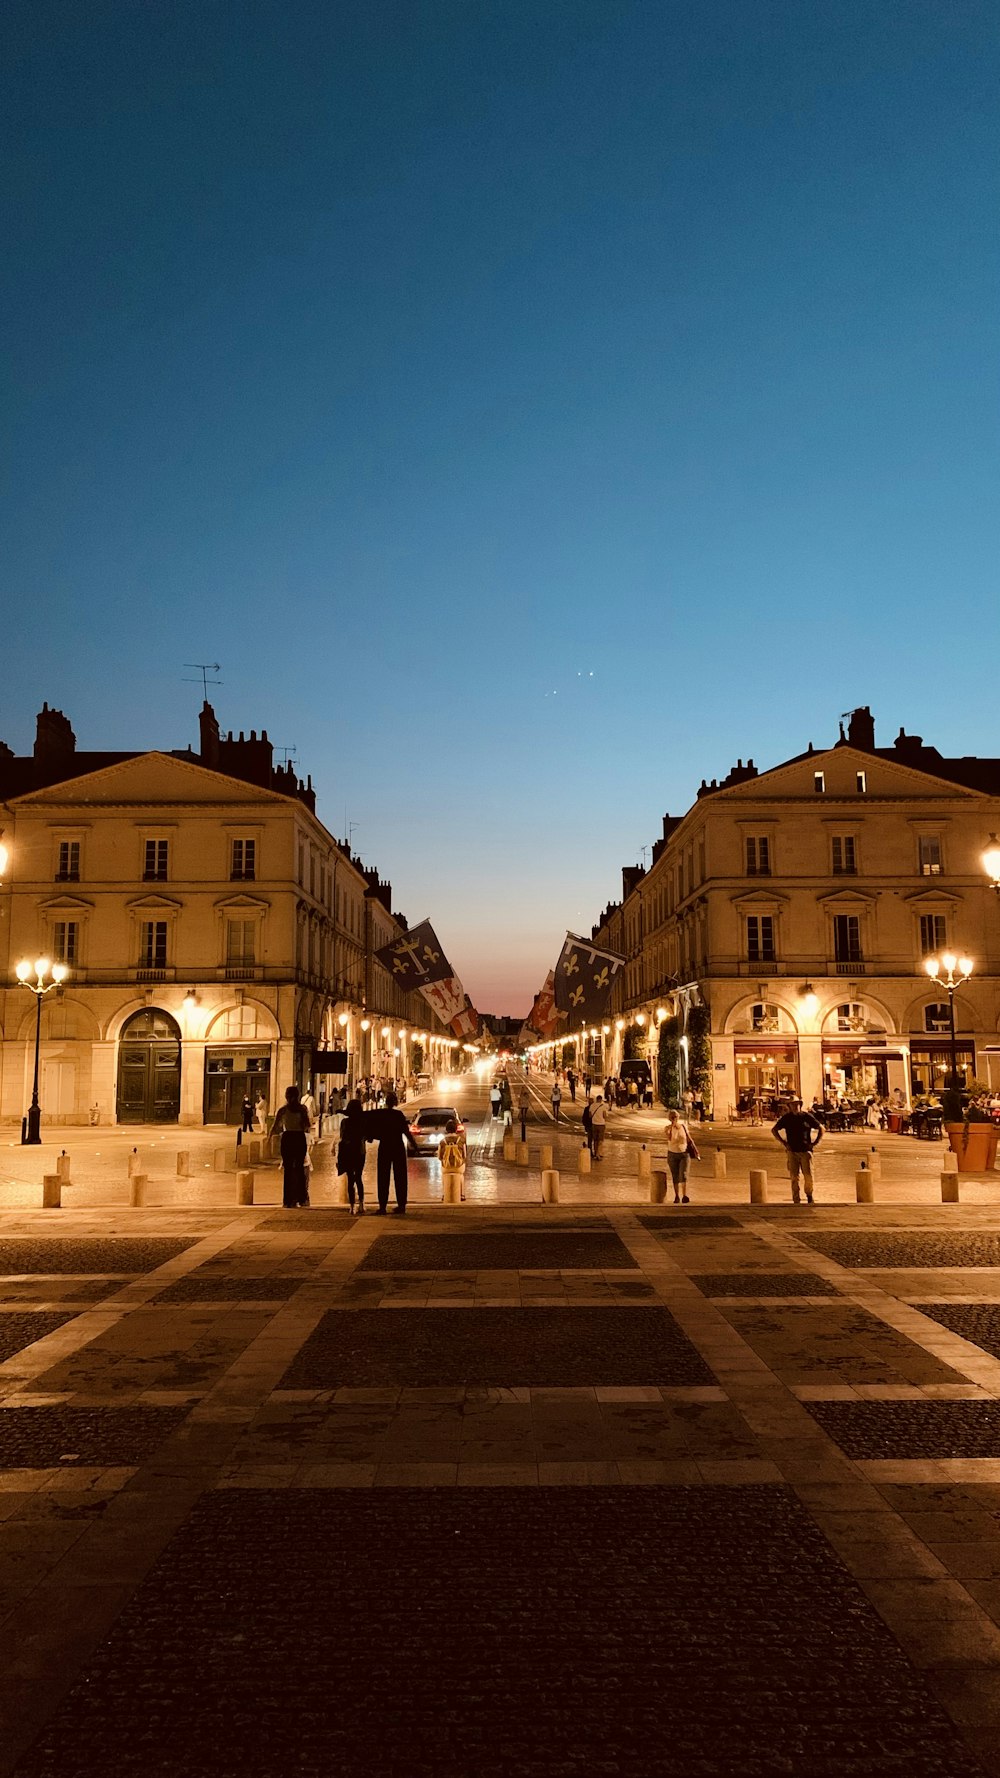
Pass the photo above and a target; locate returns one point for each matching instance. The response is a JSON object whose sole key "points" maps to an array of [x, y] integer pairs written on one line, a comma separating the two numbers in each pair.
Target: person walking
{"points": [[292, 1123], [698, 1104], [523, 1107], [351, 1150], [246, 1112], [495, 1099], [598, 1125], [687, 1101], [389, 1127], [679, 1151], [587, 1121], [556, 1098], [633, 1093], [571, 1083], [799, 1134]]}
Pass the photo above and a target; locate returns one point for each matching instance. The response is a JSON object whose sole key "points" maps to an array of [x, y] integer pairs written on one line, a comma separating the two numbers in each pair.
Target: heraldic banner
{"points": [[544, 1018], [584, 979], [447, 997], [416, 958]]}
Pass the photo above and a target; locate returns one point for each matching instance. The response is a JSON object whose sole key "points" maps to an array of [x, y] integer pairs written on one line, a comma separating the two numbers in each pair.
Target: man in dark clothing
{"points": [[799, 1134], [389, 1127], [571, 1083], [246, 1111]]}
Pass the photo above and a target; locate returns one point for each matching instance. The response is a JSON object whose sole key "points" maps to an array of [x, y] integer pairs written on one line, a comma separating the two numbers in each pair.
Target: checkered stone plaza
{"points": [[594, 1487]]}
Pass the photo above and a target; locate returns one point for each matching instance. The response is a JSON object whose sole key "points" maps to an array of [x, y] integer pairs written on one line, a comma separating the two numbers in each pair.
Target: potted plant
{"points": [[971, 1131]]}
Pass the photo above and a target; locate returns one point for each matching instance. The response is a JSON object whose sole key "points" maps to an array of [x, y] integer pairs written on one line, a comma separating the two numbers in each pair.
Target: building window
{"points": [[758, 856], [936, 1017], [764, 1017], [155, 853], [819, 783], [933, 933], [861, 783], [243, 867], [69, 862], [760, 938], [847, 938], [844, 855], [930, 855], [240, 941], [153, 944], [852, 1016], [66, 941]]}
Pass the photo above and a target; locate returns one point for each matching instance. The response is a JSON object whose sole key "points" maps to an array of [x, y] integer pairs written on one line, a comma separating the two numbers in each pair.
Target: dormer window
{"points": [[861, 783], [819, 783]]}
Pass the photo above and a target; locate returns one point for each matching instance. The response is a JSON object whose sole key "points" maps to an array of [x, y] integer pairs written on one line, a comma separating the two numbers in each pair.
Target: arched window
{"points": [[852, 1015], [764, 1016], [936, 1016]]}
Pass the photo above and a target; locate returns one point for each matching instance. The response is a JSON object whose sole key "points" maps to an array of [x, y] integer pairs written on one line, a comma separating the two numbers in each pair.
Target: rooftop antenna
{"points": [[287, 754], [642, 854], [204, 668]]}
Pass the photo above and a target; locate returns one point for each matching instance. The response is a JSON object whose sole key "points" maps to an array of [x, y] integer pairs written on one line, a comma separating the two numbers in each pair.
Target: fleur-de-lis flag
{"points": [[584, 979], [416, 958]]}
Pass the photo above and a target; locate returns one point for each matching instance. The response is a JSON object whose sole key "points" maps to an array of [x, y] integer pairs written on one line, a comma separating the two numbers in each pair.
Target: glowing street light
{"points": [[990, 862], [42, 970], [950, 981]]}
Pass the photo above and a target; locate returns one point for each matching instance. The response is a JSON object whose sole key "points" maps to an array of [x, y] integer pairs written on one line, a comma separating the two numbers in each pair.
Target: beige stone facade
{"points": [[218, 940], [799, 904]]}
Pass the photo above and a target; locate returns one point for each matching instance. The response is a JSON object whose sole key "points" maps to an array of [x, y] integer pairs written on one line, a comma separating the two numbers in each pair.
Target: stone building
{"points": [[799, 904], [219, 940]]}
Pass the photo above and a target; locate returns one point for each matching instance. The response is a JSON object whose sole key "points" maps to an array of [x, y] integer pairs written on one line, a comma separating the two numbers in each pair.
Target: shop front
{"points": [[930, 1064], [855, 1070], [232, 1072], [766, 1073]]}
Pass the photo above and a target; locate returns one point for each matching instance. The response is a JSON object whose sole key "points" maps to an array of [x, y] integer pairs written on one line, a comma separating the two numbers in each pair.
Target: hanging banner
{"points": [[416, 958], [585, 976]]}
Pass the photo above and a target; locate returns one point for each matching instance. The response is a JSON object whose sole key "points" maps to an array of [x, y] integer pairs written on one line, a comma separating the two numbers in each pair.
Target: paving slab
{"points": [[499, 1251]]}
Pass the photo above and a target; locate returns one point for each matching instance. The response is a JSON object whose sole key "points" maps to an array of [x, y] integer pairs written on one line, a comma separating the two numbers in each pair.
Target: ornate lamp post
{"points": [[41, 969], [950, 981], [991, 862]]}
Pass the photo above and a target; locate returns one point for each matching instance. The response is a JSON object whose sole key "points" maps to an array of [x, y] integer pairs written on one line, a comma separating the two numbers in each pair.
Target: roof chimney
{"points": [[209, 736], [55, 742], [861, 729]]}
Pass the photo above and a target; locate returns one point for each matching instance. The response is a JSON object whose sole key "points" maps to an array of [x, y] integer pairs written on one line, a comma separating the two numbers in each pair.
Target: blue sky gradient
{"points": [[533, 407]]}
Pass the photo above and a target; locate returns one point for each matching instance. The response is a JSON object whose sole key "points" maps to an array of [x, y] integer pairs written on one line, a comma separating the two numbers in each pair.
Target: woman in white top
{"points": [[677, 1155]]}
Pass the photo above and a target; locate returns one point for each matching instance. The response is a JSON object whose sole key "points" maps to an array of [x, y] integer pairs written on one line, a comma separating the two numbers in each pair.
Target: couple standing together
{"points": [[388, 1127]]}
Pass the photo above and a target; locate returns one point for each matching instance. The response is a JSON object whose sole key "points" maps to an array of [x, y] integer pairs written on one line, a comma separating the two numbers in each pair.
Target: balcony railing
{"points": [[152, 972], [240, 972]]}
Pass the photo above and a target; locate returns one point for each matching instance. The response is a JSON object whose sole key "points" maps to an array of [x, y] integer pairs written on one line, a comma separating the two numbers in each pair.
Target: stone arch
{"points": [[913, 1019], [828, 1015], [63, 1019], [262, 1029], [739, 1015]]}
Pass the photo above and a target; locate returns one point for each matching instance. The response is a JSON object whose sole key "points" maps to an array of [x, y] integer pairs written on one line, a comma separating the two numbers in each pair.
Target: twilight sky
{"points": [[532, 406]]}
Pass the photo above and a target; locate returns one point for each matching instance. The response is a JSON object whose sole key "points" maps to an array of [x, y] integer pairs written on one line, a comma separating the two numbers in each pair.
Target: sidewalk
{"points": [[505, 1491]]}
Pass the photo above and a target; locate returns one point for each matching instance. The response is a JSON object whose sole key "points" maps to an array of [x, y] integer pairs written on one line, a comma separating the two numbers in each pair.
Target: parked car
{"points": [[429, 1127]]}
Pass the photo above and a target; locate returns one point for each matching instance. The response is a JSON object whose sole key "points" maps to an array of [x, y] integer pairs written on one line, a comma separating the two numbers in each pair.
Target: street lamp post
{"points": [[41, 969], [950, 981], [991, 862]]}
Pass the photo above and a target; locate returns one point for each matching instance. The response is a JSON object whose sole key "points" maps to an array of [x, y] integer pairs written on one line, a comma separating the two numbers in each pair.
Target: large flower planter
{"points": [[975, 1145]]}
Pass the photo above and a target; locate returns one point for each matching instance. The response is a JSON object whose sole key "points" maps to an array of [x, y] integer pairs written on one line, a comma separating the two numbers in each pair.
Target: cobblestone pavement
{"points": [[600, 1491]]}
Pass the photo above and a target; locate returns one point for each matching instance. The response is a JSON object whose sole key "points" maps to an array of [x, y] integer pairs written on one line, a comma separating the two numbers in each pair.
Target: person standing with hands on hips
{"points": [[680, 1148], [799, 1134]]}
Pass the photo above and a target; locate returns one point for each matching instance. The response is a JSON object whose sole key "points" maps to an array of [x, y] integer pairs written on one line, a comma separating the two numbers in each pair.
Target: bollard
{"points": [[645, 1161], [342, 1197], [583, 1160], [509, 1146], [452, 1181], [134, 1164], [521, 1155], [658, 1188], [545, 1157], [949, 1187], [137, 1190], [874, 1160], [720, 1163], [183, 1163], [244, 1187], [550, 1186], [255, 1155], [949, 1162], [758, 1185], [63, 1167], [51, 1192], [863, 1185], [220, 1160]]}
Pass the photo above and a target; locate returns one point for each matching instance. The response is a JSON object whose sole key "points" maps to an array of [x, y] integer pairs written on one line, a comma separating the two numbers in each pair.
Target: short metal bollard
{"points": [[521, 1155], [63, 1167], [658, 1186], [874, 1162], [758, 1185], [134, 1164], [550, 1186], [864, 1185], [645, 1161], [720, 1163], [949, 1188], [545, 1154], [452, 1182], [244, 1187], [51, 1192], [583, 1160], [183, 1163], [137, 1190]]}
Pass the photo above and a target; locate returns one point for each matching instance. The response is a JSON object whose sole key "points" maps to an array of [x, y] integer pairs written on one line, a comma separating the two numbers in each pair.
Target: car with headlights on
{"points": [[429, 1127]]}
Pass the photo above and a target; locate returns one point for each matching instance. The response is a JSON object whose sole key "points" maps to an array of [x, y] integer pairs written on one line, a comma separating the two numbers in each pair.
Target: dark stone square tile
{"points": [[502, 1251], [433, 1633], [128, 1253], [978, 1322], [868, 1430], [219, 1288], [885, 1248], [684, 1222], [496, 1348], [20, 1331], [42, 1438], [834, 1342], [762, 1284]]}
